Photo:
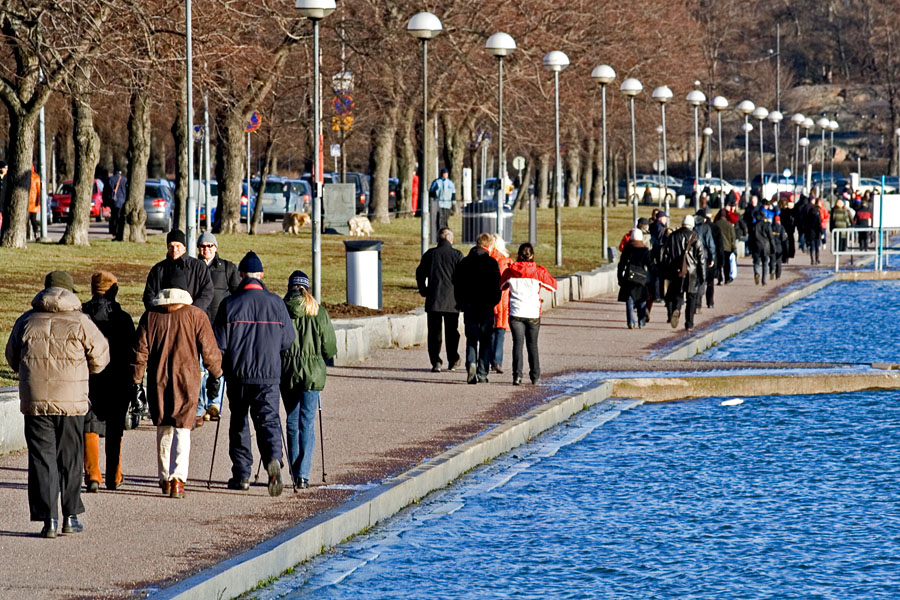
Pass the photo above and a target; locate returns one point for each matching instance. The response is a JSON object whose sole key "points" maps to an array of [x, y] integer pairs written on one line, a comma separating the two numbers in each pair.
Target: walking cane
{"points": [[322, 439], [213, 461]]}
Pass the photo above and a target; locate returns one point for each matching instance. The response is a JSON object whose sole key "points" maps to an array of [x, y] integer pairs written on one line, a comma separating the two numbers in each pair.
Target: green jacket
{"points": [[303, 364], [840, 218]]}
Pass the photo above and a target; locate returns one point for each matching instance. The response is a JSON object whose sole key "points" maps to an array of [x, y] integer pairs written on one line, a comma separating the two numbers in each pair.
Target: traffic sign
{"points": [[198, 133], [519, 163], [335, 150], [255, 122]]}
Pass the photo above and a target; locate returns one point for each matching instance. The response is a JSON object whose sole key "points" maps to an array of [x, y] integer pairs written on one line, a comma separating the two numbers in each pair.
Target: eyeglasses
{"points": [[205, 247]]}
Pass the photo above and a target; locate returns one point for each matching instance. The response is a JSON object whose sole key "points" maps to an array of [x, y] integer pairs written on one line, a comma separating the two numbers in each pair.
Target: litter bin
{"points": [[364, 273], [481, 217]]}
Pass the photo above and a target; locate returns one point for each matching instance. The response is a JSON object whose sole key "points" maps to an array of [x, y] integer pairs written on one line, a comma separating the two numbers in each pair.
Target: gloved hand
{"points": [[212, 387], [139, 399]]}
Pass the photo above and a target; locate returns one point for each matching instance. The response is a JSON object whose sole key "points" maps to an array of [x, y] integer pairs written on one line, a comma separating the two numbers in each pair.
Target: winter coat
{"points": [[55, 348], [864, 214], [477, 282], [225, 281], [118, 185], [434, 276], [253, 328], [34, 194], [303, 364], [811, 220], [684, 247], [704, 230], [196, 278], [501, 311], [525, 280], [779, 239], [840, 218], [726, 230], [111, 389], [171, 339], [635, 253], [761, 241]]}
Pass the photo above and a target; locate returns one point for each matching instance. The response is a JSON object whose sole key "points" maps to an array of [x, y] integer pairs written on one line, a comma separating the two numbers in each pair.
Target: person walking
{"points": [[111, 391], [193, 272], [840, 219], [443, 192], [864, 219], [434, 277], [303, 374], [525, 279], [225, 281], [173, 337], [683, 264], [501, 311], [476, 284], [34, 205], [712, 244], [762, 245], [632, 274], [118, 192], [779, 247], [729, 246], [253, 328], [54, 348], [812, 227]]}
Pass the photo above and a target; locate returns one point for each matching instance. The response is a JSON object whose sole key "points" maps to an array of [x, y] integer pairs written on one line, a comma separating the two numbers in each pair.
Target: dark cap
{"points": [[444, 171], [643, 221], [661, 213], [299, 278], [176, 235], [250, 263], [60, 279]]}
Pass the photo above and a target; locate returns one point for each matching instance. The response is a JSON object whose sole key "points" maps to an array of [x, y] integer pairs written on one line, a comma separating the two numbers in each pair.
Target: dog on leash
{"points": [[293, 221], [360, 226]]}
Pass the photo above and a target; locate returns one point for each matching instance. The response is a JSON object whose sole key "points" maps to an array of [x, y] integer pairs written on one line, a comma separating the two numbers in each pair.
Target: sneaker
{"points": [[274, 471], [212, 412], [238, 484], [498, 369], [454, 365], [471, 376], [673, 320], [517, 381], [436, 369]]}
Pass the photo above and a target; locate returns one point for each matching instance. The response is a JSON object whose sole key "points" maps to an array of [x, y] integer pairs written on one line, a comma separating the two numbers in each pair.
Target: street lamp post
{"points": [[804, 144], [775, 118], [695, 98], [663, 94], [604, 75], [500, 45], [824, 124], [191, 220], [315, 11], [746, 107], [797, 119], [807, 171], [424, 26], [556, 61], [707, 134], [631, 87], [760, 113], [720, 103], [832, 126]]}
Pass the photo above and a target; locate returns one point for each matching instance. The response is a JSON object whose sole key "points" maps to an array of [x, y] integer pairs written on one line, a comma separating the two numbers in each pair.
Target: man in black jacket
{"points": [[477, 287], [225, 280], [711, 237], [195, 273], [253, 328], [434, 276], [762, 245], [683, 264]]}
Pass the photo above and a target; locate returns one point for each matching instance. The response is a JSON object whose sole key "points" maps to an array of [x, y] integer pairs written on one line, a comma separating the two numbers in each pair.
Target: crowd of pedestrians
{"points": [[208, 325]]}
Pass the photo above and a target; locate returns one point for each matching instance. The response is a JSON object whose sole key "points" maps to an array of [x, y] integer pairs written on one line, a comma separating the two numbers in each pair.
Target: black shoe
{"points": [[238, 484], [275, 484], [453, 365], [517, 381], [436, 369], [483, 379], [710, 306], [535, 380], [93, 487], [471, 376], [631, 326], [49, 530], [71, 524]]}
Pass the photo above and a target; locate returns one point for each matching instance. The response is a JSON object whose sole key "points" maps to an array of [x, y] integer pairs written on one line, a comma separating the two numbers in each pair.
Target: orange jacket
{"points": [[501, 311], [34, 194]]}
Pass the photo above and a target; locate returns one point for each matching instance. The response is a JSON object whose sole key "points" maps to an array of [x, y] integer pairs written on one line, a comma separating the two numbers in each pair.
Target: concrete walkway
{"points": [[381, 418]]}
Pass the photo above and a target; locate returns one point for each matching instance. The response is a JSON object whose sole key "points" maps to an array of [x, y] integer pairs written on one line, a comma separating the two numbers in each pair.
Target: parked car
{"points": [[874, 185], [158, 204], [490, 192], [657, 191], [773, 184], [689, 185], [279, 197], [61, 202], [305, 191], [214, 201]]}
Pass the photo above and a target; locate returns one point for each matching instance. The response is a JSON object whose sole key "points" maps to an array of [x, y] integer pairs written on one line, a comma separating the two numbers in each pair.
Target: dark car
{"points": [[158, 204], [363, 189]]}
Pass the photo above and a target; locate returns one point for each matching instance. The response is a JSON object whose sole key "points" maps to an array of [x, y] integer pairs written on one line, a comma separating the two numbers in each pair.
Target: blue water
{"points": [[857, 322], [781, 497]]}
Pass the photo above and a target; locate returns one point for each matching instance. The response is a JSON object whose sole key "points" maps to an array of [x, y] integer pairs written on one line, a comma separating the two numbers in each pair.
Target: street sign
{"points": [[342, 83], [519, 163], [335, 150], [254, 123], [198, 133]]}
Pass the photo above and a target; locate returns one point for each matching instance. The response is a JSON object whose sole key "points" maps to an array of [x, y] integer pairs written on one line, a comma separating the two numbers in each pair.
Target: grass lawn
{"points": [[24, 270]]}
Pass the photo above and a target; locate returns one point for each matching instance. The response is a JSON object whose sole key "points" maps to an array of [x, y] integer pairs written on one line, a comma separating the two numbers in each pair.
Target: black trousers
{"points": [[261, 401], [675, 299], [525, 332], [443, 326], [117, 223], [55, 464], [479, 331]]}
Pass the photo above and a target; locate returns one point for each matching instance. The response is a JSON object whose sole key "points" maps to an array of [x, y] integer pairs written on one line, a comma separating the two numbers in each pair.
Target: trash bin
{"points": [[481, 217], [364, 273]]}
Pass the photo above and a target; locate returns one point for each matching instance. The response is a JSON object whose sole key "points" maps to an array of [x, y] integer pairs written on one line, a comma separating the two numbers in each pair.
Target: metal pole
{"points": [[206, 188], [777, 68], [249, 211], [822, 166], [665, 157], [423, 195], [604, 195], [558, 178], [190, 206], [317, 175], [43, 151], [831, 147], [501, 183], [747, 160], [634, 212], [721, 170], [762, 165], [796, 159], [777, 173], [696, 158]]}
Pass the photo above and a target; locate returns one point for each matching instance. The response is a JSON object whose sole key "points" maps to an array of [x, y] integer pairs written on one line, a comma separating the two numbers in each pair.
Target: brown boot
{"points": [[176, 488], [114, 477], [92, 476]]}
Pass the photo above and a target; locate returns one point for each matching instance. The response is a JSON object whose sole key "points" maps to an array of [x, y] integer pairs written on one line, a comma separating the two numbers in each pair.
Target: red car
{"points": [[62, 200]]}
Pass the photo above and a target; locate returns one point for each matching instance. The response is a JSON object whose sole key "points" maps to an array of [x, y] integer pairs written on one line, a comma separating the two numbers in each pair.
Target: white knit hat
{"points": [[688, 221], [637, 235]]}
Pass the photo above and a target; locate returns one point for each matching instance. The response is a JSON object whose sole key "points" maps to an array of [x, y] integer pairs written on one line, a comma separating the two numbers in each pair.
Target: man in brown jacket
{"points": [[172, 337], [54, 348]]}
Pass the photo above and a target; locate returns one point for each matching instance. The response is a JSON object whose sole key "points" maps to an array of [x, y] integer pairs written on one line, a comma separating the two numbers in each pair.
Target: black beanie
{"points": [[250, 263], [176, 235]]}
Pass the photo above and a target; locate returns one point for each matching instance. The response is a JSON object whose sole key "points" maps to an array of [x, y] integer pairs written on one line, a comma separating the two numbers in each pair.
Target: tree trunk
{"points": [[596, 158], [87, 153], [66, 155], [179, 135], [587, 174], [22, 129], [407, 166], [383, 151], [263, 176], [229, 169], [138, 156], [612, 176], [543, 186], [524, 197], [455, 137], [573, 166]]}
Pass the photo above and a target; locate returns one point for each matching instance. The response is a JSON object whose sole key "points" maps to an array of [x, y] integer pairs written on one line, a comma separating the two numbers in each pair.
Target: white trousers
{"points": [[173, 464]]}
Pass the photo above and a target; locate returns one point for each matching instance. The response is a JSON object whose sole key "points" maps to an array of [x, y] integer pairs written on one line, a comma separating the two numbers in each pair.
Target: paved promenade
{"points": [[381, 417]]}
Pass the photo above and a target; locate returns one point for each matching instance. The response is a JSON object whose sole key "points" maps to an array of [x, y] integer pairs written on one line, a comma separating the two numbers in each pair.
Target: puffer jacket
{"points": [[525, 280], [501, 311], [225, 281], [303, 364], [55, 348]]}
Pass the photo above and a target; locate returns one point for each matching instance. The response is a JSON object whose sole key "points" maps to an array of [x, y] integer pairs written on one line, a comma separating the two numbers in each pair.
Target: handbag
{"points": [[635, 274], [732, 266], [683, 272]]}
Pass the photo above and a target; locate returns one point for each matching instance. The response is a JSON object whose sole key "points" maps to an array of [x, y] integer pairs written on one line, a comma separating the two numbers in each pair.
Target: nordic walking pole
{"points": [[213, 461], [322, 439]]}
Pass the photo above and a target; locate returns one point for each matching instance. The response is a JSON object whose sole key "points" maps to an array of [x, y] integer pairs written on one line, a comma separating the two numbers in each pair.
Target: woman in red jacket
{"points": [[524, 279], [501, 311]]}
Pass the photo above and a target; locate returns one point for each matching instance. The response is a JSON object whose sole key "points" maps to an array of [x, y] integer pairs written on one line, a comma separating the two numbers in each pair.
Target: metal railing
{"points": [[865, 241]]}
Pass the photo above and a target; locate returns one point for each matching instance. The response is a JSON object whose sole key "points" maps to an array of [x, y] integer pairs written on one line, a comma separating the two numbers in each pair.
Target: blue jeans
{"points": [[479, 331], [301, 431], [641, 311], [497, 346], [204, 403]]}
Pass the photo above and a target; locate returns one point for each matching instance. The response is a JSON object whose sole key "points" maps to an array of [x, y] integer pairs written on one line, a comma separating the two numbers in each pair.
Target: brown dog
{"points": [[293, 221], [360, 226]]}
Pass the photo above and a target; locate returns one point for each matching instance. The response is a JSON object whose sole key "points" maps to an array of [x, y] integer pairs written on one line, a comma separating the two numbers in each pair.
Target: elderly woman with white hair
{"points": [[501, 311], [633, 273]]}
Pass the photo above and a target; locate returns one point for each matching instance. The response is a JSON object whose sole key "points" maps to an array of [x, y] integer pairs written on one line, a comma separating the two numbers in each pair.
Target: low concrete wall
{"points": [[12, 423]]}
